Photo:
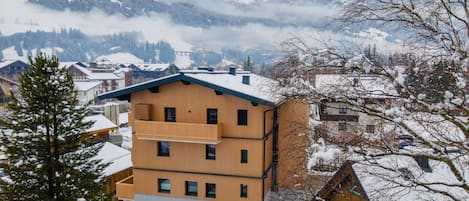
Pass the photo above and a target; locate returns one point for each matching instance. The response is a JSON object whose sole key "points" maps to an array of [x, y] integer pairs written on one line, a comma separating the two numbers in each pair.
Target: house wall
{"points": [[293, 120], [227, 188], [187, 160]]}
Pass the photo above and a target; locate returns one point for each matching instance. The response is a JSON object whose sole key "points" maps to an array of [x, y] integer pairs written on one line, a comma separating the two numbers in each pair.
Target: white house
{"points": [[88, 90]]}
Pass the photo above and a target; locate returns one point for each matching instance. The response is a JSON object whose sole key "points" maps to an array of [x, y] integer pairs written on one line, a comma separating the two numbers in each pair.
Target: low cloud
{"points": [[17, 16]]}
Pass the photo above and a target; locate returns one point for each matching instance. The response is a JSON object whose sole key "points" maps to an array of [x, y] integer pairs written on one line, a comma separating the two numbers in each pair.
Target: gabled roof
{"points": [[6, 63], [260, 90], [100, 123], [86, 85], [118, 157]]}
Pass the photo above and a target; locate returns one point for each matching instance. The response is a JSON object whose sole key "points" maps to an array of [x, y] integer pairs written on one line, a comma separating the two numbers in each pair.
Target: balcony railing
{"points": [[178, 131], [125, 189]]}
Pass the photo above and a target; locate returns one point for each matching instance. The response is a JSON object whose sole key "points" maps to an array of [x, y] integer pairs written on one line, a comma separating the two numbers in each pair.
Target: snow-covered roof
{"points": [[118, 157], [86, 85], [259, 90], [96, 75], [153, 67], [366, 86], [101, 122], [5, 63], [381, 181]]}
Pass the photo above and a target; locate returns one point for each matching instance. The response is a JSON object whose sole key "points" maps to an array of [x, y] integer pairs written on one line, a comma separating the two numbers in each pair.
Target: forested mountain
{"points": [[73, 45]]}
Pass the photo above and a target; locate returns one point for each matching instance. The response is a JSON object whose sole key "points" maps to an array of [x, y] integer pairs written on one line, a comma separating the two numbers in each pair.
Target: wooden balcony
{"points": [[125, 189], [178, 132]]}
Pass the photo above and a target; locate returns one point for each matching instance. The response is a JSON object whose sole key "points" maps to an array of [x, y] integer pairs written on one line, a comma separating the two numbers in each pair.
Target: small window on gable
{"points": [[242, 117], [170, 114], [212, 116]]}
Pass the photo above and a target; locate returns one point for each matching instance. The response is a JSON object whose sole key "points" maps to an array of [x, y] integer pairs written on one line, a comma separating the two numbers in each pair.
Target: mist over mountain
{"points": [[228, 30]]}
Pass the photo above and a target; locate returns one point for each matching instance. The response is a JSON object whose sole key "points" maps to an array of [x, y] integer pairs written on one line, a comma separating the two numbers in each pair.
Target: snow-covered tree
{"points": [[425, 95], [44, 138]]}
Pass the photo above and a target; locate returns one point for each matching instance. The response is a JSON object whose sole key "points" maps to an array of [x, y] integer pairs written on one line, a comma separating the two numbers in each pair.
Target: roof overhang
{"points": [[125, 92]]}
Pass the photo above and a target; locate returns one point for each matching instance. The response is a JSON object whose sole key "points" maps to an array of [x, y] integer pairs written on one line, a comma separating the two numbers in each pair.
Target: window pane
{"points": [[244, 190], [210, 190], [164, 185], [210, 152], [212, 116], [244, 156], [343, 110], [242, 117], [163, 148], [370, 128], [191, 188], [170, 114]]}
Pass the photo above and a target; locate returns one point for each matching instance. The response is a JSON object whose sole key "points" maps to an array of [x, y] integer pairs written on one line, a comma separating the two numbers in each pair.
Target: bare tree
{"points": [[424, 97]]}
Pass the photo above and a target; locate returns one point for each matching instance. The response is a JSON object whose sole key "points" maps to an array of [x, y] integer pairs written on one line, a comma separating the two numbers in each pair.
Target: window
{"points": [[163, 148], [191, 188], [210, 190], [210, 152], [170, 114], [342, 126], [244, 156], [211, 116], [370, 128], [244, 190], [242, 117], [164, 186], [343, 110]]}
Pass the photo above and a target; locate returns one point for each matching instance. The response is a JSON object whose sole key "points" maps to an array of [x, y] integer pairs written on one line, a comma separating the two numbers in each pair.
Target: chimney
{"points": [[246, 79], [232, 70]]}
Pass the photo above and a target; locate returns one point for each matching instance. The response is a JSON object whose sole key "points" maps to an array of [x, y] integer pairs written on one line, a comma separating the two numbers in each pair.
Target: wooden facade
{"points": [[343, 186], [247, 154]]}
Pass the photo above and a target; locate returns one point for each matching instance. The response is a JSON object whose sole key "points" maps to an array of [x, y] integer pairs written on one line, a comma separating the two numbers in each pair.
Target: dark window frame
{"points": [[370, 127], [187, 184], [244, 156], [160, 182], [209, 150], [242, 117], [244, 190], [343, 110], [160, 151], [210, 119], [208, 193], [167, 116], [342, 126]]}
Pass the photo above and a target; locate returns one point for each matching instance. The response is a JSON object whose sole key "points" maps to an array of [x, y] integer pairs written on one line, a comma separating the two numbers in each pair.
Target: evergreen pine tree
{"points": [[247, 65], [44, 138]]}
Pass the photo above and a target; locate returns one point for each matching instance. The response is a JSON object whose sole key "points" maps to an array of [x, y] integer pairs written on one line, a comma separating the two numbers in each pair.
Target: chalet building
{"points": [[337, 116], [212, 135], [390, 177], [10, 69], [144, 72], [82, 72]]}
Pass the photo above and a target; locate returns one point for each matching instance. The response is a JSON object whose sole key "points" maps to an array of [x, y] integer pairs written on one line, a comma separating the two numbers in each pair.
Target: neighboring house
{"points": [[120, 166], [101, 127], [213, 135], [87, 91], [10, 69], [390, 178], [110, 81], [337, 116], [144, 72]]}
